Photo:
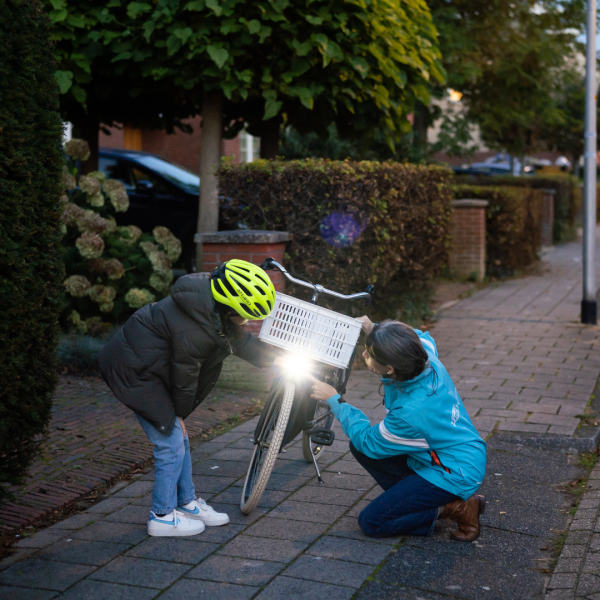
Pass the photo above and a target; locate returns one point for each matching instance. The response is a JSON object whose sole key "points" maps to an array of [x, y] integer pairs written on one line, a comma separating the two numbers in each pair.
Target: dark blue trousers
{"points": [[409, 505]]}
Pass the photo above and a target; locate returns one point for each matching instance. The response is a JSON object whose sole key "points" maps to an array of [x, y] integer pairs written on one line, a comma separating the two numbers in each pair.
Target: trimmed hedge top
{"points": [[351, 223], [566, 201]]}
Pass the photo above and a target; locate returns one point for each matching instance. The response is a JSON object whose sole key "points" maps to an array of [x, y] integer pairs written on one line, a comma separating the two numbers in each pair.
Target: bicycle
{"points": [[289, 409]]}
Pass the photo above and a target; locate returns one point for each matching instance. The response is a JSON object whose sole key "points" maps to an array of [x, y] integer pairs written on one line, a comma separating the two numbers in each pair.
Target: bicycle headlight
{"points": [[295, 366]]}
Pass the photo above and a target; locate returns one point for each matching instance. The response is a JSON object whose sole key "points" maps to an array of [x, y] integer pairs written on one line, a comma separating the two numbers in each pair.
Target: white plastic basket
{"points": [[316, 332]]}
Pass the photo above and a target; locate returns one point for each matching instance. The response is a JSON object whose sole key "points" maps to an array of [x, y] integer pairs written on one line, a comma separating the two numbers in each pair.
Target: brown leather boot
{"points": [[466, 515]]}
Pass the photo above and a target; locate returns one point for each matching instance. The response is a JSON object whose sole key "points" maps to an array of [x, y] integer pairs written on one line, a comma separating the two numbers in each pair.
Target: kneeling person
{"points": [[426, 454]]}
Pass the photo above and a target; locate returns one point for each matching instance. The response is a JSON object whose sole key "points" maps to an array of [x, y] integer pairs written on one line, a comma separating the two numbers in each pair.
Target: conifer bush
{"points": [[31, 265]]}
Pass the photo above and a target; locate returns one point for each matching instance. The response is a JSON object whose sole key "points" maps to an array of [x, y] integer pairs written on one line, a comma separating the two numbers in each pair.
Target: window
{"points": [[180, 176], [249, 147], [158, 185], [116, 169]]}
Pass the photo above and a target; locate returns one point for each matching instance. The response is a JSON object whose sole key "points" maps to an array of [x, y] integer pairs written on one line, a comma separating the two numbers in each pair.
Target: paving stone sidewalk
{"points": [[303, 540], [92, 439]]}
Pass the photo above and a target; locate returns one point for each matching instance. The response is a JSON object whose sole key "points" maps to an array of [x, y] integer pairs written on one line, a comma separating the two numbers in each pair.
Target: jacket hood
{"points": [[193, 295], [396, 390]]}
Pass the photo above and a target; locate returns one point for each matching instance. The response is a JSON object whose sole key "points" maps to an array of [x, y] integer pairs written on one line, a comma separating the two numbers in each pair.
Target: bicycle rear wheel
{"points": [[321, 409], [266, 449]]}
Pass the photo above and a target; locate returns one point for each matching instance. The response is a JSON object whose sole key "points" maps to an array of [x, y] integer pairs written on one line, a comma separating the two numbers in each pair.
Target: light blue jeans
{"points": [[173, 485]]}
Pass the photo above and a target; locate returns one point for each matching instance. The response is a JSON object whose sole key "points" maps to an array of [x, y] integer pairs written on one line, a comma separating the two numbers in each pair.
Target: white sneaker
{"points": [[173, 525], [198, 509]]}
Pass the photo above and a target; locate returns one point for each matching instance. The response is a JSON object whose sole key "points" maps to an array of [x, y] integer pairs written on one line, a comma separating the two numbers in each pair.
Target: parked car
{"points": [[160, 193]]}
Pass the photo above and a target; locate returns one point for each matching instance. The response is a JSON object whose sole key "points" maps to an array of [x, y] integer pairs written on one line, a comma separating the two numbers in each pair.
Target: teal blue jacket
{"points": [[424, 415]]}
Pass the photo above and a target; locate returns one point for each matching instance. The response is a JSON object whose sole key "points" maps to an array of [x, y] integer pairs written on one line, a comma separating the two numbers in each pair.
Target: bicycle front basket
{"points": [[315, 332]]}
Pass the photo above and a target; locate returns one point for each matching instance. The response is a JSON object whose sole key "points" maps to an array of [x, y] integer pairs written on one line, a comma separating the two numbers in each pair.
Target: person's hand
{"points": [[182, 426], [321, 390], [367, 325]]}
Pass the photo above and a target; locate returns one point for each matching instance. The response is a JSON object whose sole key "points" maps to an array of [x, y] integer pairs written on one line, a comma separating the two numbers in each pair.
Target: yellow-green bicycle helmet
{"points": [[245, 287]]}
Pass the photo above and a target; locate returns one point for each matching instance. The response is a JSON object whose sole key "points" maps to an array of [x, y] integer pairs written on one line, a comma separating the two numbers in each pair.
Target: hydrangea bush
{"points": [[111, 271]]}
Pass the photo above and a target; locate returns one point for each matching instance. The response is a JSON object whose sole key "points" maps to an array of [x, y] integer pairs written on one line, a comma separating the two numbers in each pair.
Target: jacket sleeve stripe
{"points": [[413, 442], [429, 345]]}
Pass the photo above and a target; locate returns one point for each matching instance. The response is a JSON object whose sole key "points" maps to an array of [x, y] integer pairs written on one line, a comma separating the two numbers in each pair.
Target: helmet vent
{"points": [[230, 288], [249, 310], [245, 289]]}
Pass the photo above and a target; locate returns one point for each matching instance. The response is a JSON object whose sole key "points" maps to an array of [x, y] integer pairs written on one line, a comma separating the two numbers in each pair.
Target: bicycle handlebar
{"points": [[270, 264]]}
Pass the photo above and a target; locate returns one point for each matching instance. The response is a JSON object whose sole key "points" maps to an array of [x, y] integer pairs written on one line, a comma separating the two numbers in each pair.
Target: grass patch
{"points": [[559, 543], [587, 460]]}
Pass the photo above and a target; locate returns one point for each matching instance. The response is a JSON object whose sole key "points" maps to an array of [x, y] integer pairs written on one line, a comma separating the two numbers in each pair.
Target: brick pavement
{"points": [[517, 353], [303, 539], [93, 439]]}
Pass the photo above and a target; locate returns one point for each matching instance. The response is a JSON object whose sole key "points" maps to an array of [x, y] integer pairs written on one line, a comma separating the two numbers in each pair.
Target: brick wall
{"points": [[178, 147], [467, 257]]}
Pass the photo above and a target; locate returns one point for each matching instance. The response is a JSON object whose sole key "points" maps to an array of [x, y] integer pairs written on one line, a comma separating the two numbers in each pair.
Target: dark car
{"points": [[160, 193]]}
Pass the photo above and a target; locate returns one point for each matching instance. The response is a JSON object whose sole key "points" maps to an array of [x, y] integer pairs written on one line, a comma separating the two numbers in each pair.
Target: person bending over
{"points": [[426, 454], [164, 362]]}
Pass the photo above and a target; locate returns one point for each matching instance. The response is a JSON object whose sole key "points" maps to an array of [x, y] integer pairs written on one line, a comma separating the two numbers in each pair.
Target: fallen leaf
{"points": [[502, 512]]}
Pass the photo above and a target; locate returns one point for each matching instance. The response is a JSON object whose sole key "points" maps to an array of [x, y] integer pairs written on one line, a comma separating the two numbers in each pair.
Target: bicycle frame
{"points": [[342, 375]]}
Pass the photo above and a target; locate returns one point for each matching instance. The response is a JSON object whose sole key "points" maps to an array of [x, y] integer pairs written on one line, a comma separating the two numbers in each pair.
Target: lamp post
{"points": [[588, 303]]}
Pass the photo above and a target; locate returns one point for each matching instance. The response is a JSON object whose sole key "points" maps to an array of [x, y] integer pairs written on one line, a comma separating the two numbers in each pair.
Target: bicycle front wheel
{"points": [[266, 449], [321, 409]]}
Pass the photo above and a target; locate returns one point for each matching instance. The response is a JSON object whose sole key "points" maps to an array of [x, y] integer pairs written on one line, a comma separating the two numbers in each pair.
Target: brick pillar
{"points": [[548, 216], [245, 244], [467, 257]]}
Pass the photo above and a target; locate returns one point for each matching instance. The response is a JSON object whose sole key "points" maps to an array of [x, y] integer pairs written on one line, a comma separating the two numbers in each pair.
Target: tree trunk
{"points": [[269, 138], [89, 130], [420, 126], [210, 159]]}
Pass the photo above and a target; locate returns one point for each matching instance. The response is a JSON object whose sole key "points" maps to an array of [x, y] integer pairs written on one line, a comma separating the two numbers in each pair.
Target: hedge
{"points": [[351, 223], [566, 201], [513, 225], [31, 267]]}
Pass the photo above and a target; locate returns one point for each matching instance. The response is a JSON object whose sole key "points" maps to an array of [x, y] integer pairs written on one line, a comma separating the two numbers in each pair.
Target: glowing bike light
{"points": [[295, 366]]}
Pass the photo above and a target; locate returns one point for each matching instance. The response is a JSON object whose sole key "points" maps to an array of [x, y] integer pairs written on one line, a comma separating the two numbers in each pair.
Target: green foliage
{"points": [[507, 58], [566, 200], [78, 352], [31, 267], [512, 221], [111, 271], [351, 223], [353, 62]]}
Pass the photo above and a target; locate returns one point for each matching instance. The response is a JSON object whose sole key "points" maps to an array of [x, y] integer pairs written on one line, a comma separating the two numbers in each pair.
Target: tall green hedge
{"points": [[566, 200], [31, 269], [513, 225], [351, 223]]}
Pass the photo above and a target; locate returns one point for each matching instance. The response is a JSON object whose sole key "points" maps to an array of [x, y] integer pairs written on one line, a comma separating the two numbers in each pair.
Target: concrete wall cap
{"points": [[242, 236], [470, 203]]}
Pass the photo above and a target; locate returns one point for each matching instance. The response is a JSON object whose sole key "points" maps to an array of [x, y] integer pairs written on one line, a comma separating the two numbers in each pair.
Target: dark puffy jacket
{"points": [[168, 356]]}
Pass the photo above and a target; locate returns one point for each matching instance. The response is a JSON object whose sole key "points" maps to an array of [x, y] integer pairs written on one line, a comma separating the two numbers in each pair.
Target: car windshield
{"points": [[174, 173]]}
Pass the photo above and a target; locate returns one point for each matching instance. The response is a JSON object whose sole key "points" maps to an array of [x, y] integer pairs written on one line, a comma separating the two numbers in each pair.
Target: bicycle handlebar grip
{"points": [[267, 266], [370, 290]]}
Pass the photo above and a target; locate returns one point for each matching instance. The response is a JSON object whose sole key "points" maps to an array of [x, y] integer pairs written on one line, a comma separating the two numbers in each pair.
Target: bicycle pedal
{"points": [[320, 435]]}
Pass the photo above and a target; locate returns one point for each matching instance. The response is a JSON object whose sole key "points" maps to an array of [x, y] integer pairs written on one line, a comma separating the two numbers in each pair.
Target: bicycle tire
{"points": [[258, 476], [317, 449]]}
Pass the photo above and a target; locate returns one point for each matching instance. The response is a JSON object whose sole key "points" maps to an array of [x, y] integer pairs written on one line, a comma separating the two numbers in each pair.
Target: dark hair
{"points": [[396, 344], [232, 331]]}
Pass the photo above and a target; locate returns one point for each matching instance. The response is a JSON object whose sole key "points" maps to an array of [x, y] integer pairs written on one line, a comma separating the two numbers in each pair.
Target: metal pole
{"points": [[588, 303]]}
